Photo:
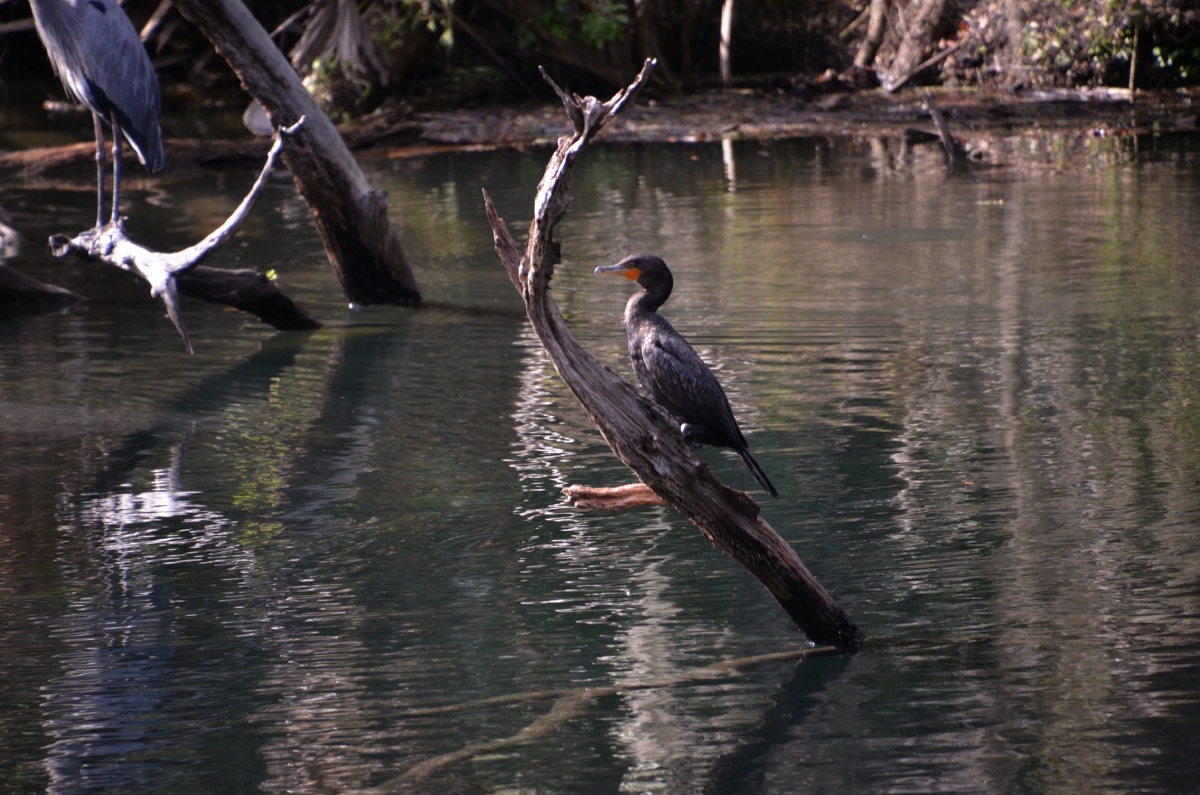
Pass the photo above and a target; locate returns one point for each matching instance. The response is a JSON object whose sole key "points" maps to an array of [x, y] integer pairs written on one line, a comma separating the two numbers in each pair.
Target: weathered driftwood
{"points": [[350, 216], [109, 244], [612, 498], [20, 293], [955, 153], [10, 238], [642, 436]]}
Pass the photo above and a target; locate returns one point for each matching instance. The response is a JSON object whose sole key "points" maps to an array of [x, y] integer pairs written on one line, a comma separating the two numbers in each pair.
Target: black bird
{"points": [[674, 374]]}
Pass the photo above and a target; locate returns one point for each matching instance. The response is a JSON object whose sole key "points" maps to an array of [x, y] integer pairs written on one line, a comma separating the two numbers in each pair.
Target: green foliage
{"points": [[595, 24], [1085, 42], [606, 24], [388, 29]]}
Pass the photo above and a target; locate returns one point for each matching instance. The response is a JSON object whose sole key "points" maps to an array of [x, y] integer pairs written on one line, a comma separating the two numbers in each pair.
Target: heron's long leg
{"points": [[99, 170], [117, 144]]}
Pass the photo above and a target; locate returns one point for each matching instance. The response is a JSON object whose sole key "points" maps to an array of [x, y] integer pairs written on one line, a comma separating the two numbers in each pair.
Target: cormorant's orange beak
{"points": [[625, 269]]}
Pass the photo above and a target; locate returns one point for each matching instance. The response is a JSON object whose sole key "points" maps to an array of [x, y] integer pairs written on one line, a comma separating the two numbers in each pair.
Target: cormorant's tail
{"points": [[756, 471]]}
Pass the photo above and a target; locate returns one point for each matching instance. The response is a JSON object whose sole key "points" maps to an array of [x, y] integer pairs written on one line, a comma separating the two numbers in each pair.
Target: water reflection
{"points": [[106, 711], [264, 568]]}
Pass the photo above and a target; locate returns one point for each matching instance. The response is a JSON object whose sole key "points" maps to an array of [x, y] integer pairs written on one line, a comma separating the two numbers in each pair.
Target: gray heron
{"points": [[99, 57]]}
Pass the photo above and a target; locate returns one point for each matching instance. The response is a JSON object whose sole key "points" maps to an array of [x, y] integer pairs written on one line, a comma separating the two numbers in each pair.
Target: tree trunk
{"points": [[350, 216], [641, 435], [723, 49], [921, 23], [876, 30]]}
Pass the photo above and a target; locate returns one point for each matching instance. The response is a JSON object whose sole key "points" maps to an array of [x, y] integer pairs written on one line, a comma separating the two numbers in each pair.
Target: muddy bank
{"points": [[991, 126], [1034, 129]]}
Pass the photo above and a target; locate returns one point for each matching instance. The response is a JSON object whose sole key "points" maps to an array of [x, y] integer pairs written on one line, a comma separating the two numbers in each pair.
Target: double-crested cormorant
{"points": [[674, 374]]}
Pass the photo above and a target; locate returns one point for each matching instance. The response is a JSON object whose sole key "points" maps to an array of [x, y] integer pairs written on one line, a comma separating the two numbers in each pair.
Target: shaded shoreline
{"points": [[990, 125]]}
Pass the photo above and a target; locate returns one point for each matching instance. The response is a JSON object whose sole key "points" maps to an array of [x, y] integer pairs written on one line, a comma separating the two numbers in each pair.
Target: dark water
{"points": [[304, 562]]}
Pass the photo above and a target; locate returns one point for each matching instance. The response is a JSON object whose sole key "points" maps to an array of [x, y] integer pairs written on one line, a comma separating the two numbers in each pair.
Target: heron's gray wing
{"points": [[117, 66]]}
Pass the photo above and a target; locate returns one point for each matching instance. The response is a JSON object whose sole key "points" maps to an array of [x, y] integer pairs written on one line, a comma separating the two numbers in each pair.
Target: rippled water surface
{"points": [[339, 561]]}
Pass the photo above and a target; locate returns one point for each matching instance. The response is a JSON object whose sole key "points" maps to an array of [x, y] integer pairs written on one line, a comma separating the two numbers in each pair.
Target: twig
{"points": [[858, 20], [896, 84]]}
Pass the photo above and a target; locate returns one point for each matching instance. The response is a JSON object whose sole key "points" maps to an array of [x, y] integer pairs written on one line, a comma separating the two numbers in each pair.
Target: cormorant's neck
{"points": [[651, 297]]}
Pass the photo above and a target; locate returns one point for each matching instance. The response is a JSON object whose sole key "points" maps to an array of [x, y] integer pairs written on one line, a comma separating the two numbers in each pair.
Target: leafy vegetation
{"points": [[357, 54]]}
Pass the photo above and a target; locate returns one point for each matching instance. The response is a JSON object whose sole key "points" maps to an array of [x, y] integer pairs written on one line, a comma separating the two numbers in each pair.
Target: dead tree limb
{"points": [[642, 436], [351, 217], [725, 44], [612, 498], [954, 152], [10, 238], [20, 293], [109, 244], [896, 83], [27, 295], [249, 291]]}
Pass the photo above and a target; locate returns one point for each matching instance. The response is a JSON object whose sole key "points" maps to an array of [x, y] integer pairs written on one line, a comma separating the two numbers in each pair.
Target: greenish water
{"points": [[264, 568]]}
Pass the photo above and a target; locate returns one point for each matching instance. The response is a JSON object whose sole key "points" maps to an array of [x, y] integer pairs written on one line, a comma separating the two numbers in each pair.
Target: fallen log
{"points": [[641, 435]]}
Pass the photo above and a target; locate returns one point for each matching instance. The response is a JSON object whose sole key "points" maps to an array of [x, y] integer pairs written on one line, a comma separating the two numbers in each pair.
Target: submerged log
{"points": [[21, 294], [638, 432], [350, 216], [26, 295], [249, 291], [955, 154]]}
